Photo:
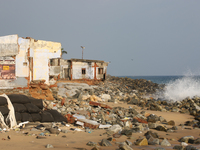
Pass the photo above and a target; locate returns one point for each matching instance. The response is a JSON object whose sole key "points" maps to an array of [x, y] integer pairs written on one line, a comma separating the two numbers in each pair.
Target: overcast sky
{"points": [[137, 37]]}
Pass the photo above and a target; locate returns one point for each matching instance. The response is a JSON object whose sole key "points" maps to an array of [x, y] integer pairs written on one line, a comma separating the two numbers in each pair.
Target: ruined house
{"points": [[78, 69], [25, 59]]}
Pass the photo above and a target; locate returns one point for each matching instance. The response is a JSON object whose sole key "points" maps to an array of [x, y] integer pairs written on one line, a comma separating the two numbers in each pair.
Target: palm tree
{"points": [[63, 51]]}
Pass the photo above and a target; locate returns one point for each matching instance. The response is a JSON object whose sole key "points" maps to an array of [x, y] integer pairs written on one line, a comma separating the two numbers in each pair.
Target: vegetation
{"points": [[63, 51]]}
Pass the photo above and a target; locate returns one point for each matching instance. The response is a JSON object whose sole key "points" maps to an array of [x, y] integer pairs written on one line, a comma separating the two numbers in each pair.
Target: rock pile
{"points": [[83, 106]]}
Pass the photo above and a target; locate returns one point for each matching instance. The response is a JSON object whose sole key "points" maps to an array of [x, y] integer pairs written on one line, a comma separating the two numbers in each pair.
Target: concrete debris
{"points": [[87, 108]]}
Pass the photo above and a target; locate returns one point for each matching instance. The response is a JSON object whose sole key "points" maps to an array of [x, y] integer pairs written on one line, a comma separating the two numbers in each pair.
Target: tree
{"points": [[63, 51]]}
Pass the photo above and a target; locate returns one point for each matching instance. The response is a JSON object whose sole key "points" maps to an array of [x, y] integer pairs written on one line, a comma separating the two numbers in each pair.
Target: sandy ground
{"points": [[76, 140]]}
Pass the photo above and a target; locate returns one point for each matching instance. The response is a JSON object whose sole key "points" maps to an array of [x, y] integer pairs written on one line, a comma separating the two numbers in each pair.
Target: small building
{"points": [[87, 69], [79, 69], [23, 60]]}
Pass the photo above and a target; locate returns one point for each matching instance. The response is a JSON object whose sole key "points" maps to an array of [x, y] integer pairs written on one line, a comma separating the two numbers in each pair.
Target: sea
{"points": [[162, 79], [176, 88]]}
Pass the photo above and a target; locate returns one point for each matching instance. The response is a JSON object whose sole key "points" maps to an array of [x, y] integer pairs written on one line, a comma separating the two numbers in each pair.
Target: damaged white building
{"points": [[23, 60]]}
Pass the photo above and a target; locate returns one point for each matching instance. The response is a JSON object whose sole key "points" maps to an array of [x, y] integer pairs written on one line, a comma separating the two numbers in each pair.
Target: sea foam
{"points": [[187, 86]]}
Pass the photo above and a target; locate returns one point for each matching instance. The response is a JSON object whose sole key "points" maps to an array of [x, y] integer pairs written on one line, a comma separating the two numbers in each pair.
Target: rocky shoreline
{"points": [[90, 108], [88, 101]]}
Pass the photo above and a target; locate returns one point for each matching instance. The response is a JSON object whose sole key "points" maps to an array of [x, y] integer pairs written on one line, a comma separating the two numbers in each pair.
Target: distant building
{"points": [[87, 69]]}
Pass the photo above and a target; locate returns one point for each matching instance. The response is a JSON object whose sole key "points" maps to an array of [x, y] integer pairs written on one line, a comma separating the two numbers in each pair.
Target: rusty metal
{"points": [[140, 120]]}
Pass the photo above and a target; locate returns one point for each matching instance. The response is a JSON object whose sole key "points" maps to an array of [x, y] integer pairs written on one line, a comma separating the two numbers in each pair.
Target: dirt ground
{"points": [[76, 140]]}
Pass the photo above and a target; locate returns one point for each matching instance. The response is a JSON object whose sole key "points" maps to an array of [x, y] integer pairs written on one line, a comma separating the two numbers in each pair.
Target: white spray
{"points": [[188, 86]]}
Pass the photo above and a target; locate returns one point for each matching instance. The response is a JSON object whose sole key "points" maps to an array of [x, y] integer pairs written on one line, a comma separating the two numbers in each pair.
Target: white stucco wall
{"points": [[9, 45], [77, 70], [22, 63], [42, 52]]}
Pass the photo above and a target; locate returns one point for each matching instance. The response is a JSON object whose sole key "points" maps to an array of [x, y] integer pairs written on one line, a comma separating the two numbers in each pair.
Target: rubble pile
{"points": [[89, 108], [85, 106]]}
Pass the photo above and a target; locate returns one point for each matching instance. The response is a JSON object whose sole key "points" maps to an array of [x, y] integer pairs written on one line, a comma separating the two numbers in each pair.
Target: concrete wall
{"points": [[18, 62], [22, 63], [77, 70], [54, 70], [65, 69], [42, 52], [101, 65], [9, 45]]}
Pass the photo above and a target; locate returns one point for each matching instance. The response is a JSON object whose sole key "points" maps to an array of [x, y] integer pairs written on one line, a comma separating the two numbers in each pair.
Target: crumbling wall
{"points": [[101, 70], [13, 68], [22, 63], [64, 69], [42, 52], [9, 45]]}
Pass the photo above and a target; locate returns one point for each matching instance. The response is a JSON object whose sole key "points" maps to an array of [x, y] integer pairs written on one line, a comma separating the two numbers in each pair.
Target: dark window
{"points": [[83, 71], [100, 70]]}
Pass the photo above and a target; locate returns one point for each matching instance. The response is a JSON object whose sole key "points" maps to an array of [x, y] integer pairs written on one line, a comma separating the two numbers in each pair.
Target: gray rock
{"points": [[49, 146], [124, 147], [161, 128], [91, 143], [115, 128], [128, 143], [152, 125], [186, 139], [190, 147], [105, 142], [165, 143], [54, 131], [153, 141], [159, 148], [178, 147]]}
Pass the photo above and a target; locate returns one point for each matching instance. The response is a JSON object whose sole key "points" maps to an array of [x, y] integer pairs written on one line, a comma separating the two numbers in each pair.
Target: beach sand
{"points": [[76, 140]]}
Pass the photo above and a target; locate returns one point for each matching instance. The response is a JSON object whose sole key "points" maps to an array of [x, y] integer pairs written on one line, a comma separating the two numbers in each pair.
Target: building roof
{"points": [[86, 60]]}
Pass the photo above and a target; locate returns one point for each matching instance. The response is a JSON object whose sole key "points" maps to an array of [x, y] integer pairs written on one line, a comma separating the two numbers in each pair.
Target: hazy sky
{"points": [[138, 37]]}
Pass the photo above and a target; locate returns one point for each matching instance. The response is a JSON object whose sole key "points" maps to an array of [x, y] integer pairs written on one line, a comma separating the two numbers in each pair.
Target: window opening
{"points": [[83, 71], [100, 70]]}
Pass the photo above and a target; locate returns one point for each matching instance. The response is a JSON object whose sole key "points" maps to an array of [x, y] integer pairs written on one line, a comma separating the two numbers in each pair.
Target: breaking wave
{"points": [[187, 86]]}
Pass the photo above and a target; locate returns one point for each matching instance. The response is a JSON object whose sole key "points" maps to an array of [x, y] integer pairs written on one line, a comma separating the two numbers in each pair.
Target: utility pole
{"points": [[82, 50]]}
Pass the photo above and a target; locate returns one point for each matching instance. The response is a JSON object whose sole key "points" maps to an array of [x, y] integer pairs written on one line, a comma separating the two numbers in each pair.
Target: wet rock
{"points": [[165, 143], [105, 142], [141, 142]]}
